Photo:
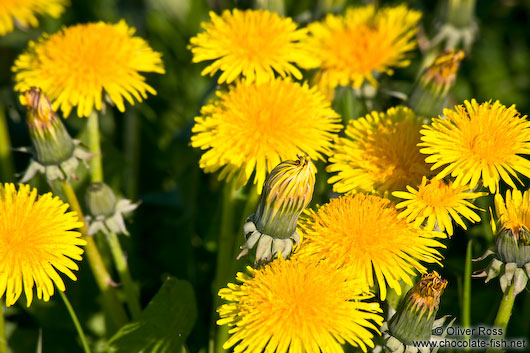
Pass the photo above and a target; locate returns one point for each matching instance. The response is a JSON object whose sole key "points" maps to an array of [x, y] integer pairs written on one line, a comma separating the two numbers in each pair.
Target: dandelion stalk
{"points": [[503, 315], [125, 276], [225, 243], [466, 295], [96, 164], [102, 276], [132, 155], [3, 340], [77, 324], [6, 161]]}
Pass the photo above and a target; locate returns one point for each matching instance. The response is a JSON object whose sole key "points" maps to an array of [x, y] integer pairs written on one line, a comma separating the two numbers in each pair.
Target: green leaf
{"points": [[163, 326]]}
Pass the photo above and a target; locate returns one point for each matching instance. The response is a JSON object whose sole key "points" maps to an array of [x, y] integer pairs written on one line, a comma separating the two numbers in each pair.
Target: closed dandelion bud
{"points": [[49, 137], [100, 200], [511, 255], [287, 191], [55, 153], [429, 95], [416, 314], [457, 24], [105, 210]]}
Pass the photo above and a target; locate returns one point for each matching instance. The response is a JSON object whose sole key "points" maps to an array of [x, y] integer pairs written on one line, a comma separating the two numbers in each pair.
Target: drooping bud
{"points": [[105, 210], [287, 191], [414, 318], [511, 255], [429, 95], [55, 153]]}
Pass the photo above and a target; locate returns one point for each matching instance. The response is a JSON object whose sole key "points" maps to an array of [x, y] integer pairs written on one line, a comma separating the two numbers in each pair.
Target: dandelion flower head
{"points": [[379, 152], [437, 202], [298, 306], [37, 241], [513, 213], [363, 234], [251, 43], [80, 64], [366, 40], [25, 12], [252, 128], [478, 142]]}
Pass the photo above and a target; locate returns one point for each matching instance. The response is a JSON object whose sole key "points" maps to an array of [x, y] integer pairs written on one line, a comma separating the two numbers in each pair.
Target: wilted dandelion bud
{"points": [[105, 210], [429, 95], [288, 189], [511, 255], [55, 153], [414, 319]]}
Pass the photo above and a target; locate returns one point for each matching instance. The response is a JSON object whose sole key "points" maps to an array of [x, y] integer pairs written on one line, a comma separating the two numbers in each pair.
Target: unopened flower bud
{"points": [[55, 153], [100, 200], [414, 318], [429, 95], [51, 141], [287, 191], [456, 24], [105, 210]]}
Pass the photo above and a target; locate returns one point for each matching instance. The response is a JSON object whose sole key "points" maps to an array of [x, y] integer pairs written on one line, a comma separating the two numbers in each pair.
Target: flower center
{"points": [[437, 193]]}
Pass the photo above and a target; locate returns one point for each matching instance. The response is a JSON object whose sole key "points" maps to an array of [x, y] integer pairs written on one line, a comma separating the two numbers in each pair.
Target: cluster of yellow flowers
{"points": [[405, 177]]}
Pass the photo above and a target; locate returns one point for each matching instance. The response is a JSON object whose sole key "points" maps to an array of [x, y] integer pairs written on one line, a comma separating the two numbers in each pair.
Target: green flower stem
{"points": [[77, 324], [125, 276], [226, 241], [6, 160], [503, 315], [102, 276], [250, 205], [96, 164], [132, 153], [3, 340], [466, 295]]}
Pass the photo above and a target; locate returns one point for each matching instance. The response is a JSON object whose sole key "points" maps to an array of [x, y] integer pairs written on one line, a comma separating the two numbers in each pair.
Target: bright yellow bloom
{"points": [[514, 213], [363, 234], [478, 142], [351, 48], [379, 153], [252, 43], [78, 65], [25, 12], [437, 202], [297, 306], [36, 242], [252, 128]]}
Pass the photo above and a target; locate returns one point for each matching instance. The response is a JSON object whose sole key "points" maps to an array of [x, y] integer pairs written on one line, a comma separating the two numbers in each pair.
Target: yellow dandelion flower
{"points": [[252, 128], [363, 234], [351, 48], [512, 243], [379, 152], [78, 65], [252, 43], [478, 142], [297, 306], [514, 213], [36, 242], [438, 202], [25, 12]]}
